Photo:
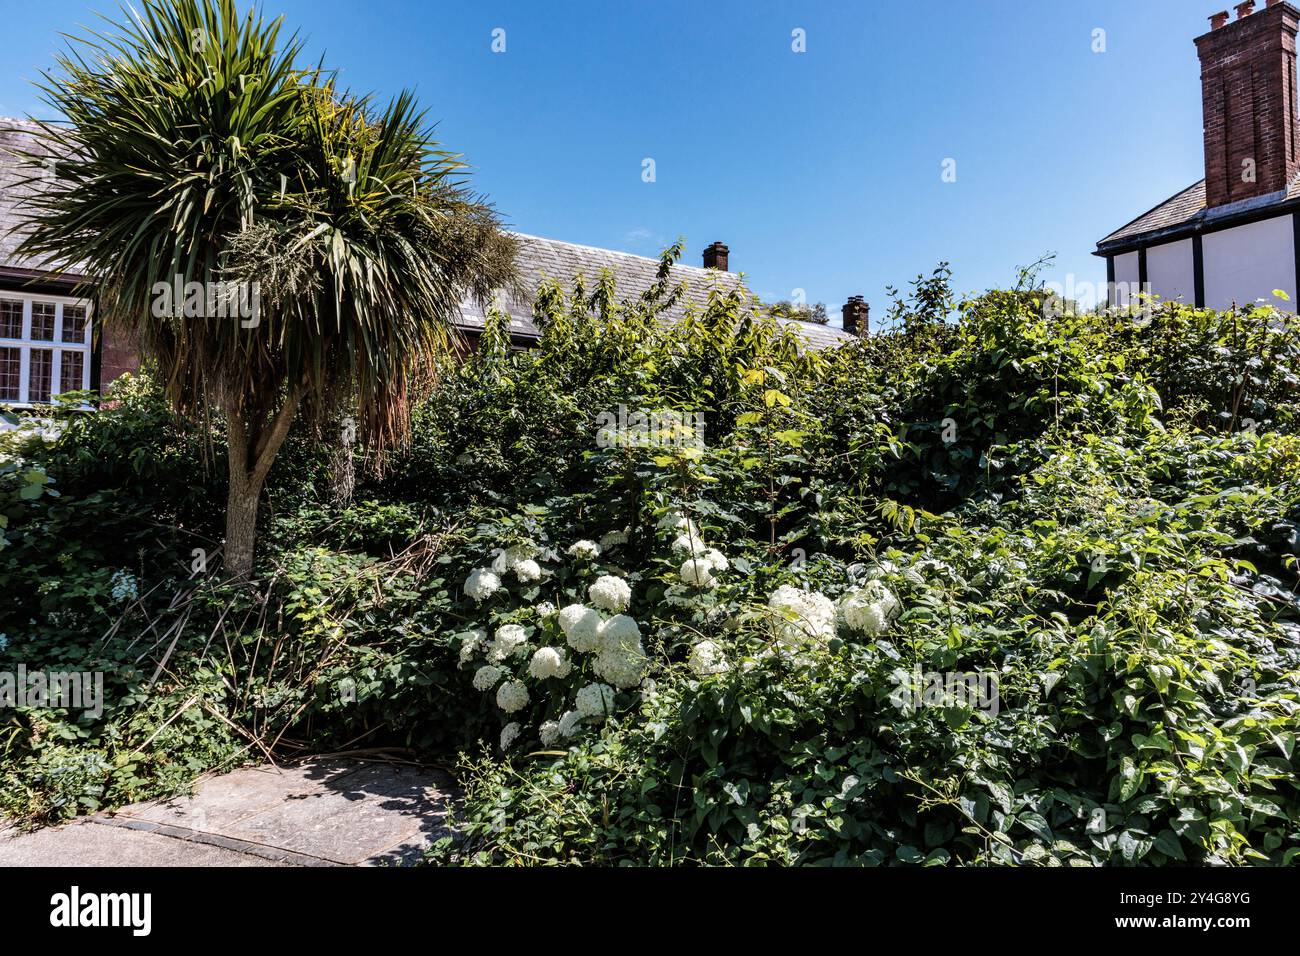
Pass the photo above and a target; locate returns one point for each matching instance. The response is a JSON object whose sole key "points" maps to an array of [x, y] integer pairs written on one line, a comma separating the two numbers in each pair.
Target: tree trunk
{"points": [[241, 524], [343, 470], [251, 452]]}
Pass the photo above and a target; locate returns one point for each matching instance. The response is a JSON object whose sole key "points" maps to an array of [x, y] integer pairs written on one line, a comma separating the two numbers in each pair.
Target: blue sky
{"points": [[822, 169]]}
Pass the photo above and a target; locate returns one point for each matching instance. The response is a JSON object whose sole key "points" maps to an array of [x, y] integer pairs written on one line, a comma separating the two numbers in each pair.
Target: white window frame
{"points": [[26, 343]]}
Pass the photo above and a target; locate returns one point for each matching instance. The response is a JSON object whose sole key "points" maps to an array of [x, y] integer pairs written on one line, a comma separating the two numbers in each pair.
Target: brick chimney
{"points": [[856, 315], [715, 256], [1248, 95]]}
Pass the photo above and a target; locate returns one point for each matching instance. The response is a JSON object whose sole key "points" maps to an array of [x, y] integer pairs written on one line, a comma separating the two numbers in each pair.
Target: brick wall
{"points": [[1248, 92], [118, 355]]}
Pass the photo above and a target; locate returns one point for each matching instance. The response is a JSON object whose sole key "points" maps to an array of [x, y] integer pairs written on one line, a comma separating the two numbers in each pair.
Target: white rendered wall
{"points": [[1171, 272], [1246, 263], [1126, 277]]}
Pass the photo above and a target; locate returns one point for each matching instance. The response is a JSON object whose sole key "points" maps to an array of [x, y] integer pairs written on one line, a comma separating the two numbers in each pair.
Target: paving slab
{"points": [[89, 844], [221, 801], [317, 813]]}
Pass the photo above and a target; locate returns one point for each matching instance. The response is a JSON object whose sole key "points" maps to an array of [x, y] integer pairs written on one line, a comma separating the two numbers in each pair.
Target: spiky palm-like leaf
{"points": [[195, 146]]}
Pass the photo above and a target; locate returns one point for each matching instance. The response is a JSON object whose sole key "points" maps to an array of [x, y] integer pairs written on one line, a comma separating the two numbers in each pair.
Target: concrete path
{"points": [[322, 813]]}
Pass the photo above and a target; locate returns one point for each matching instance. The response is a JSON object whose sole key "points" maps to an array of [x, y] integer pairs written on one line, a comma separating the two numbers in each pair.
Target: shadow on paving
{"points": [[316, 813]]}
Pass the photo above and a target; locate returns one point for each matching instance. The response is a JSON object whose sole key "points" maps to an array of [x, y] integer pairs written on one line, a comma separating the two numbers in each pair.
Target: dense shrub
{"points": [[1093, 514]]}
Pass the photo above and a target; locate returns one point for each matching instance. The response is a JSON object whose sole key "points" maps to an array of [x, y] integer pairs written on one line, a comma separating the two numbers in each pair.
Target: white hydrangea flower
{"points": [[621, 659], [569, 722], [693, 546], [549, 662], [870, 619], [482, 583], [889, 603], [470, 644], [544, 610], [581, 627], [512, 696], [619, 631], [528, 570], [549, 732], [613, 539], [512, 557], [595, 700], [509, 733], [716, 558], [869, 608], [585, 550], [698, 573], [623, 669], [801, 617], [509, 639], [706, 658], [486, 677], [610, 593]]}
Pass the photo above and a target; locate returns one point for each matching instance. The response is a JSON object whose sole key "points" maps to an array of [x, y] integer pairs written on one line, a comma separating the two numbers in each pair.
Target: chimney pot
{"points": [[715, 256], [856, 314], [1219, 20], [1245, 9]]}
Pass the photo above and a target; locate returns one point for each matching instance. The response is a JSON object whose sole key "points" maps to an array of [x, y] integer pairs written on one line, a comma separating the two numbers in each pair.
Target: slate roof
{"points": [[15, 135], [538, 259], [1185, 212]]}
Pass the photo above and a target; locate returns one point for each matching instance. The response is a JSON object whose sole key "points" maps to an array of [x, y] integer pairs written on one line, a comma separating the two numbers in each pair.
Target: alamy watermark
{"points": [[970, 690], [649, 428], [1087, 296], [74, 908], [208, 300], [68, 690]]}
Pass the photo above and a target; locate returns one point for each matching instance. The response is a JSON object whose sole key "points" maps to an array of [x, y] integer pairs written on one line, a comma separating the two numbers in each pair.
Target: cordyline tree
{"points": [[193, 146]]}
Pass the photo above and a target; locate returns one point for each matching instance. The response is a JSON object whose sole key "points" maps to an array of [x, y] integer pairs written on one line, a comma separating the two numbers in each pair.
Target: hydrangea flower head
{"points": [[621, 659], [549, 662], [584, 550], [528, 570], [595, 700], [706, 658], [692, 546], [509, 639], [698, 573], [511, 557], [471, 642], [512, 696], [581, 627], [716, 558], [801, 617], [549, 732], [482, 583], [869, 609], [613, 539], [610, 593], [508, 734], [486, 677]]}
